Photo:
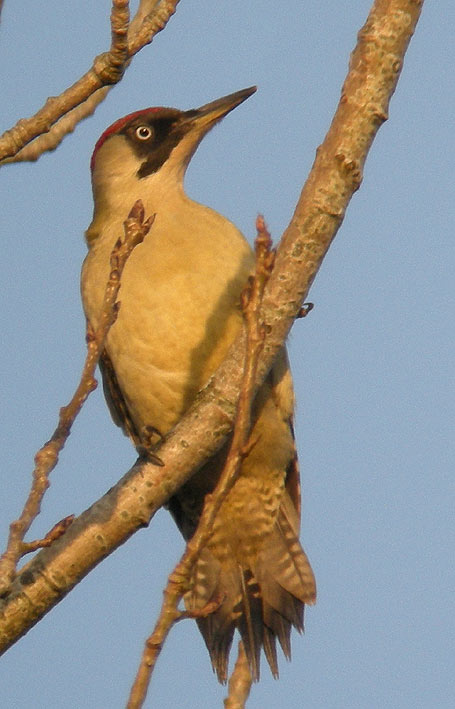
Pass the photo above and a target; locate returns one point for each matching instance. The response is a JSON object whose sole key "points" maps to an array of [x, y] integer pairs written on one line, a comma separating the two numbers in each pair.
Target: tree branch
{"points": [[60, 114], [47, 457], [240, 682], [179, 580], [374, 71]]}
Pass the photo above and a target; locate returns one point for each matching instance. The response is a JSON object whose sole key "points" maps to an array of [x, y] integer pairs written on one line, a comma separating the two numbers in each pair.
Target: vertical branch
{"points": [[179, 579], [240, 682]]}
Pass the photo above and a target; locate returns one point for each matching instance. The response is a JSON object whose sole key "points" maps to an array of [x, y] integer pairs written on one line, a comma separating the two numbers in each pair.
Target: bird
{"points": [[180, 312]]}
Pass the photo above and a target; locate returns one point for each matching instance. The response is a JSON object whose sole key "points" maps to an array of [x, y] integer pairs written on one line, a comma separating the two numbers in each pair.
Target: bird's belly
{"points": [[176, 321], [165, 350]]}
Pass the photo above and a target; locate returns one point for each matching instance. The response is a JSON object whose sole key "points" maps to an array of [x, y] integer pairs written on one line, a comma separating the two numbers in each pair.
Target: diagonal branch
{"points": [[373, 75]]}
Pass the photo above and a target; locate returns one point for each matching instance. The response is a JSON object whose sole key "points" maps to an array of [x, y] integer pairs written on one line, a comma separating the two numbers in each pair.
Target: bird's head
{"points": [[154, 142]]}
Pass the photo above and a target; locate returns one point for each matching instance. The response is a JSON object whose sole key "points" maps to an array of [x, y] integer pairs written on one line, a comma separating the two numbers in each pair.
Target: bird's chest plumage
{"points": [[179, 308]]}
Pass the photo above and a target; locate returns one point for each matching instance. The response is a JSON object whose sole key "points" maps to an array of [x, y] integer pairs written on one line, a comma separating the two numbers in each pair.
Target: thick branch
{"points": [[374, 71]]}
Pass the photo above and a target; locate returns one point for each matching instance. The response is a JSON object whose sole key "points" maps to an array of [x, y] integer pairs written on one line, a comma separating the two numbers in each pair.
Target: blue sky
{"points": [[373, 363]]}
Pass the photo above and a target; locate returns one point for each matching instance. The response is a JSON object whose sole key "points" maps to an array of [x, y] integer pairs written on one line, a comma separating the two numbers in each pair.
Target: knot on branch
{"points": [[108, 69], [351, 167]]}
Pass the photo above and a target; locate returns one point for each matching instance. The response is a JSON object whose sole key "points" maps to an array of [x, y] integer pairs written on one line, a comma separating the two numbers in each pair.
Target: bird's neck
{"points": [[114, 198]]}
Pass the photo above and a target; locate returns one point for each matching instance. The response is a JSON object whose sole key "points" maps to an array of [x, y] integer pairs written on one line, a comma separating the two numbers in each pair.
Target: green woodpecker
{"points": [[180, 312]]}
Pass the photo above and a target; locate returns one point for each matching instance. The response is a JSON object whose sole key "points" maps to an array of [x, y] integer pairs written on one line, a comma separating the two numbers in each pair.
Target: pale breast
{"points": [[179, 312]]}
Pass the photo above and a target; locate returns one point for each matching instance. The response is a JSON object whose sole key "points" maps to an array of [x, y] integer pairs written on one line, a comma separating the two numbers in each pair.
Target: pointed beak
{"points": [[191, 126], [206, 116]]}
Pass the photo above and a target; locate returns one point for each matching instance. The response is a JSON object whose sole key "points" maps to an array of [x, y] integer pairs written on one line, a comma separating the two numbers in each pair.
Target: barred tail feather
{"points": [[263, 603]]}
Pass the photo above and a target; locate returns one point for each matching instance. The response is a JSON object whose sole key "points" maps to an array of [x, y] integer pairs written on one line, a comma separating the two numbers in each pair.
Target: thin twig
{"points": [[240, 682], [179, 579], [52, 535], [46, 459], [155, 21], [60, 114], [68, 122], [49, 141], [145, 10], [120, 20]]}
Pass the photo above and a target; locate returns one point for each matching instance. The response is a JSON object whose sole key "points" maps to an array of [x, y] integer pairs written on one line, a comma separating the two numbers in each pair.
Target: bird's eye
{"points": [[143, 132]]}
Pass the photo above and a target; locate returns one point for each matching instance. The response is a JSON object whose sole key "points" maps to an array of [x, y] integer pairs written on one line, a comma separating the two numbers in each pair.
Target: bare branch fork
{"points": [[337, 171], [47, 457], [60, 114]]}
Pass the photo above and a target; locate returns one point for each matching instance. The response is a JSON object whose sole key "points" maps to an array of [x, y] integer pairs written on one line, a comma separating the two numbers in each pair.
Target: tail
{"points": [[262, 602]]}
